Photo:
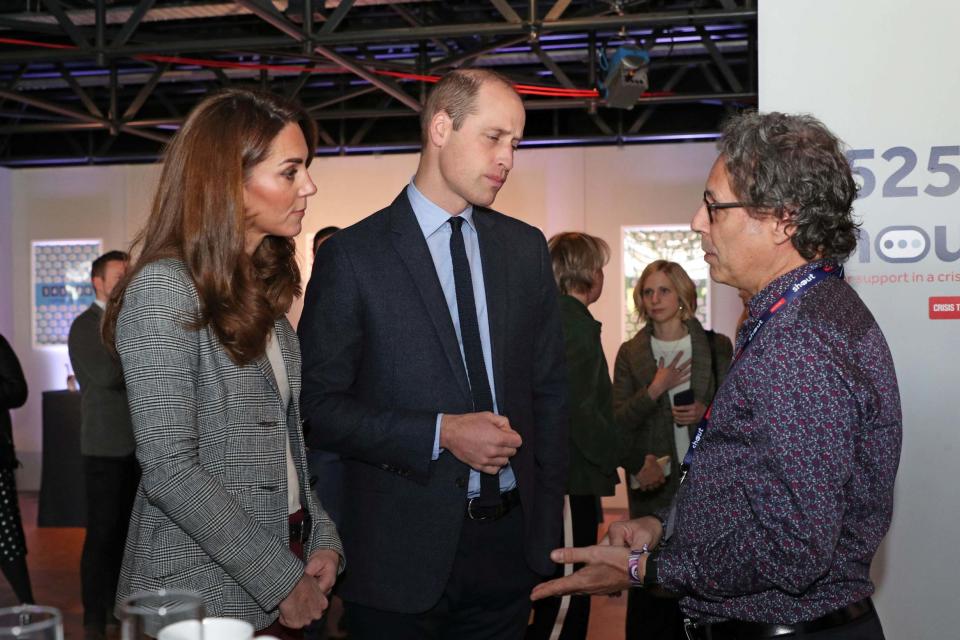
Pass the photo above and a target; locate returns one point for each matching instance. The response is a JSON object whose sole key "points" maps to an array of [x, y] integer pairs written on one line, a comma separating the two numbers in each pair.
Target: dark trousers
{"points": [[653, 618], [585, 516], [111, 485], [487, 595]]}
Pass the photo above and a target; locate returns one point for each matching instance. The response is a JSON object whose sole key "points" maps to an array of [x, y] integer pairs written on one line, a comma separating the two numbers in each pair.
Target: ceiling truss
{"points": [[111, 82]]}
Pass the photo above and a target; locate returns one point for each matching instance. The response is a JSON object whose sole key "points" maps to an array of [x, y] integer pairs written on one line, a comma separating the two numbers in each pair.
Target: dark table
{"points": [[62, 496]]}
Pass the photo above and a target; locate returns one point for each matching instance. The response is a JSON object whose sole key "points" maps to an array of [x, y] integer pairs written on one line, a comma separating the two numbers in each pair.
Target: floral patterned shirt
{"points": [[791, 490]]}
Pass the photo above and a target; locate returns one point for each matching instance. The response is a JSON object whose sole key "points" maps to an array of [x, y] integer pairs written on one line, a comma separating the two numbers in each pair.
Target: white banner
{"points": [[883, 76]]}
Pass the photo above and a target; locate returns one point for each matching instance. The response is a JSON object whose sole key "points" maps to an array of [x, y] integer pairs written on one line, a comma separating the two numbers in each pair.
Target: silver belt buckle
{"points": [[470, 511]]}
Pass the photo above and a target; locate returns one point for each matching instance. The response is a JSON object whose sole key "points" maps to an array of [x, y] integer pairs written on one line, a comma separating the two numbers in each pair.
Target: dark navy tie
{"points": [[472, 347]]}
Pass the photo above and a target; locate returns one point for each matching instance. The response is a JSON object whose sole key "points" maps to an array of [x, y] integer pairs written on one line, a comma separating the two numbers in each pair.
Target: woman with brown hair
{"points": [[664, 378], [212, 368]]}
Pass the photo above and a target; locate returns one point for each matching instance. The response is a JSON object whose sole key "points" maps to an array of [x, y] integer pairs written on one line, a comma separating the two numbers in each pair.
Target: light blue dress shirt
{"points": [[436, 229]]}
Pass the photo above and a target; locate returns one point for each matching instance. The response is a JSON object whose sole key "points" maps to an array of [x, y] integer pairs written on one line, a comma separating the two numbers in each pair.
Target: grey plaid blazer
{"points": [[210, 514]]}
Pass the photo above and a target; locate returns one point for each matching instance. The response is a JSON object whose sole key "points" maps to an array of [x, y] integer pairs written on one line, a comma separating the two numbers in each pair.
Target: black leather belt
{"points": [[740, 630], [299, 523], [508, 501]]}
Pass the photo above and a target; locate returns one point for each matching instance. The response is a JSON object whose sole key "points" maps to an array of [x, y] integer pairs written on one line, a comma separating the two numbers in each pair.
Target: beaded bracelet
{"points": [[633, 565]]}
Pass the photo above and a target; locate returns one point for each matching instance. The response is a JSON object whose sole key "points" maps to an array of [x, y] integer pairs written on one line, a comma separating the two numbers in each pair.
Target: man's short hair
{"points": [[99, 266], [322, 235], [576, 258], [456, 93], [793, 167]]}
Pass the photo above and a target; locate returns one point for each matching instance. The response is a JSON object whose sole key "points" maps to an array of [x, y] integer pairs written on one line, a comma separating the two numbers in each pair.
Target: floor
{"points": [[54, 561]]}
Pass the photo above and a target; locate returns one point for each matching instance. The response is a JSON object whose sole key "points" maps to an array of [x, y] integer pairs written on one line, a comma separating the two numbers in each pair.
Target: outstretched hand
{"points": [[605, 572], [634, 533]]}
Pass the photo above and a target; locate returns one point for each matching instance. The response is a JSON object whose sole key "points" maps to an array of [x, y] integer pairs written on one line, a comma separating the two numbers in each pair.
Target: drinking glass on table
{"points": [[30, 622], [143, 615]]}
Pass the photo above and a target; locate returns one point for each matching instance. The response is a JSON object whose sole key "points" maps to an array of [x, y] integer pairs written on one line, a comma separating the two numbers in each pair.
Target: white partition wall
{"points": [[882, 75]]}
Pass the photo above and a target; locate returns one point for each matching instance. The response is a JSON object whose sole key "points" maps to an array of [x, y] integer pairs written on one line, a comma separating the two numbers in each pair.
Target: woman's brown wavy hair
{"points": [[198, 217]]}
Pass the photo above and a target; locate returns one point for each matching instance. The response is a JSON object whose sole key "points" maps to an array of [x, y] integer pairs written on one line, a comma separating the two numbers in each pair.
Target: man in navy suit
{"points": [[433, 364]]}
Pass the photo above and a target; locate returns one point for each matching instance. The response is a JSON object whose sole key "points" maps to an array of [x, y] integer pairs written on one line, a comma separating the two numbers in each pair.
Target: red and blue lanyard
{"points": [[793, 292]]}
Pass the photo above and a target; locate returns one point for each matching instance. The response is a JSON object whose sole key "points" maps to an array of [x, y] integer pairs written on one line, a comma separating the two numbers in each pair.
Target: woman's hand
{"points": [[650, 475], [689, 414], [304, 604], [669, 375], [323, 565]]}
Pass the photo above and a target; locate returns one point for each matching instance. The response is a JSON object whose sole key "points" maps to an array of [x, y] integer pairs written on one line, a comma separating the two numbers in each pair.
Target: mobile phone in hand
{"points": [[682, 398]]}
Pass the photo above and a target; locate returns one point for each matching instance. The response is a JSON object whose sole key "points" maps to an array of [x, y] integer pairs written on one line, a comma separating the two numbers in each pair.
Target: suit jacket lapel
{"points": [[412, 247], [494, 256]]}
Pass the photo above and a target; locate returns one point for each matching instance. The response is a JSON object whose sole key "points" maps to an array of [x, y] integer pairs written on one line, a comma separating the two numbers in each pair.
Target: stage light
{"points": [[626, 78]]}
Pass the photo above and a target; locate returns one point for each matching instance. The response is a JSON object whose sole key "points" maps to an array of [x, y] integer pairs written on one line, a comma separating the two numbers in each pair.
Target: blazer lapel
{"points": [[263, 364], [408, 241], [291, 356], [495, 276]]}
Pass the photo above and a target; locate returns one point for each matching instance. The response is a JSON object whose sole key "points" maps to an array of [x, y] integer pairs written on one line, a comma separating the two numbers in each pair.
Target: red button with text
{"points": [[945, 308]]}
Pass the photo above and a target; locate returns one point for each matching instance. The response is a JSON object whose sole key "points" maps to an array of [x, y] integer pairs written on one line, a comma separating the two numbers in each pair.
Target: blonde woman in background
{"points": [[671, 357]]}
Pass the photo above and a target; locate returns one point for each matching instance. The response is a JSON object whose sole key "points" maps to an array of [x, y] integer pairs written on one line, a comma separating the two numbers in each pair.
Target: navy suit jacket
{"points": [[381, 359]]}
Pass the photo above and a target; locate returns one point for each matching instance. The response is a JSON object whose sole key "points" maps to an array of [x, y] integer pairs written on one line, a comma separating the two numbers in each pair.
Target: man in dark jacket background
{"points": [[106, 442]]}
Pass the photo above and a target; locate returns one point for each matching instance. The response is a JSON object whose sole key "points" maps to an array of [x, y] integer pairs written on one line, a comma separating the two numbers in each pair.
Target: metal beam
{"points": [[711, 77], [405, 34], [408, 16], [714, 52], [385, 85], [307, 26], [341, 98], [56, 9], [457, 60], [78, 115], [49, 106], [506, 11], [325, 135], [287, 27], [222, 78], [89, 104], [30, 26], [132, 23], [364, 129], [145, 92], [269, 14], [556, 10], [337, 16], [297, 85], [100, 32], [554, 68]]}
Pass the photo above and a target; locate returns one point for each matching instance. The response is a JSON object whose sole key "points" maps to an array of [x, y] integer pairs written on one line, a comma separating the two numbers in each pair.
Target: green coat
{"points": [[647, 425], [594, 443]]}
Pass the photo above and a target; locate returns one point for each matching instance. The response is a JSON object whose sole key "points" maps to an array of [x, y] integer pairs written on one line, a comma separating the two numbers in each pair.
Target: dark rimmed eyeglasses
{"points": [[713, 207]]}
